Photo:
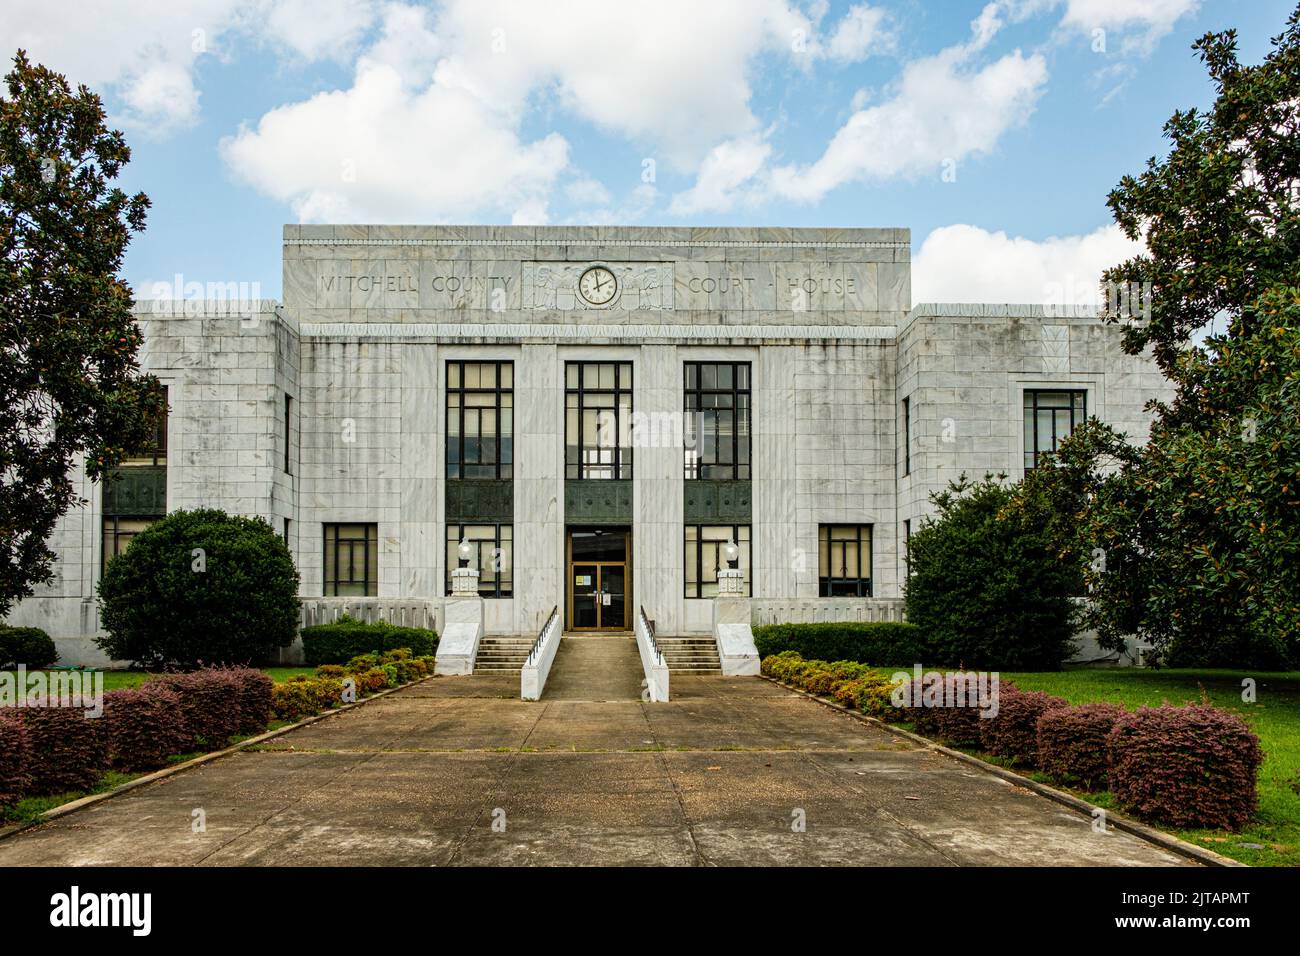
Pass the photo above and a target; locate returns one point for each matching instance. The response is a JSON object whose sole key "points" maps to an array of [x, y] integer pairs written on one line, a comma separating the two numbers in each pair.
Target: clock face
{"points": [[598, 285]]}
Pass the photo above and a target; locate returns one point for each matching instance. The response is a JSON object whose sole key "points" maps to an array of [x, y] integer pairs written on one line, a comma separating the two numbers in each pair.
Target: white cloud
{"points": [[144, 51], [383, 151], [963, 263], [673, 76], [943, 109], [861, 33], [319, 29], [431, 127], [1142, 24], [724, 171]]}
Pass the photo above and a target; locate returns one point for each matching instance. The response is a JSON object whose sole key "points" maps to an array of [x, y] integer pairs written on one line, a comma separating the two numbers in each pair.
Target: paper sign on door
{"points": [[605, 598]]}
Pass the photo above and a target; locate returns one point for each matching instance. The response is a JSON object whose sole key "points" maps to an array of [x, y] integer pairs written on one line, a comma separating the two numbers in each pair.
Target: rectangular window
{"points": [[493, 555], [597, 420], [118, 533], [704, 555], [907, 543], [351, 560], [480, 419], [154, 451], [288, 433], [844, 560], [286, 535], [1050, 416], [717, 420], [907, 436]]}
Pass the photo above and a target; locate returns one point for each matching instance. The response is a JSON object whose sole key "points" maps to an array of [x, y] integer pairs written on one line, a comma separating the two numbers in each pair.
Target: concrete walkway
{"points": [[723, 774], [596, 668]]}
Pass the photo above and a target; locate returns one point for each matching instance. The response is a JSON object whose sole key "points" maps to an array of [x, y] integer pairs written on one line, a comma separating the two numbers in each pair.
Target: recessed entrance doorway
{"points": [[599, 578]]}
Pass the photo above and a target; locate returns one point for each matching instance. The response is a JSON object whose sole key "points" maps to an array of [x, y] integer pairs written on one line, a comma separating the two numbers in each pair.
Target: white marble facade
{"points": [[371, 315]]}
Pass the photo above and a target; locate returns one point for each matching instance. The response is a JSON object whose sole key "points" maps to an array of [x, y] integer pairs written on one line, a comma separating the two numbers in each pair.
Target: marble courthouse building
{"points": [[599, 412]]}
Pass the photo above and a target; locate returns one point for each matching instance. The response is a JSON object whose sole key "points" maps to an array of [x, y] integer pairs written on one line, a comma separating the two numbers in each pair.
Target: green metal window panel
{"points": [[140, 490], [597, 501], [717, 502], [481, 500]]}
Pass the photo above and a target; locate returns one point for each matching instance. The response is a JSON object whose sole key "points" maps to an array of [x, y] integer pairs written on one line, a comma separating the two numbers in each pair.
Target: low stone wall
{"points": [[816, 610]]}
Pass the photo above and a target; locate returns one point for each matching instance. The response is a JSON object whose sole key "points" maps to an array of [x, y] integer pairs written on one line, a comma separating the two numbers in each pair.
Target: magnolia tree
{"points": [[1192, 540], [69, 381]]}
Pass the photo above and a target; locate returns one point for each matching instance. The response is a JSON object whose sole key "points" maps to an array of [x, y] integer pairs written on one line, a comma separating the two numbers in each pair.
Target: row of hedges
{"points": [[875, 642], [1188, 767], [305, 696], [347, 637], [51, 750], [29, 646]]}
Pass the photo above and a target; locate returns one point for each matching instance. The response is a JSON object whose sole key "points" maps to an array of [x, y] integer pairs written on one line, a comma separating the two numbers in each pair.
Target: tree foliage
{"points": [[1192, 541], [200, 587], [984, 584], [69, 381]]}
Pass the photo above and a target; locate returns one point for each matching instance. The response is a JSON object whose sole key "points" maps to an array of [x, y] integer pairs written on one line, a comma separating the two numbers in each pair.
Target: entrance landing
{"points": [[595, 667]]}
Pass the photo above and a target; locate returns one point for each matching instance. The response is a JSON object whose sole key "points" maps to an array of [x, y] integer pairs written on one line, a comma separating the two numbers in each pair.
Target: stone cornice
{"points": [[624, 334]]}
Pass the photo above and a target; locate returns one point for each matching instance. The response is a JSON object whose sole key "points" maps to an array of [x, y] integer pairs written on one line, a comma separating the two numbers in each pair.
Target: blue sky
{"points": [[992, 129]]}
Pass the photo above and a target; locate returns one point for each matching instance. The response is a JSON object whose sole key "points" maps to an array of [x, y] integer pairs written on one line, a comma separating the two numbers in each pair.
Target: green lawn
{"points": [[1274, 717]]}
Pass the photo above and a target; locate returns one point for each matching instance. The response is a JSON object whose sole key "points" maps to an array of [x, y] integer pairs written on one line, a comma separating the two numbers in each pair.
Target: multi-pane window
{"points": [[844, 560], [1050, 416], [351, 560], [480, 419], [118, 533], [705, 556], [907, 436], [154, 450], [288, 433], [492, 553], [597, 420], [717, 420]]}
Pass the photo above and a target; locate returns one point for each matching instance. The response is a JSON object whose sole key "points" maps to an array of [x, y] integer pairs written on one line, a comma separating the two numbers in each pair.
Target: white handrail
{"points": [[652, 659], [532, 676]]}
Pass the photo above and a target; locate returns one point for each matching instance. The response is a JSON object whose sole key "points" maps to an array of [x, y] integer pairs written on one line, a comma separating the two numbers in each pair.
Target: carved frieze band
{"points": [[554, 286]]}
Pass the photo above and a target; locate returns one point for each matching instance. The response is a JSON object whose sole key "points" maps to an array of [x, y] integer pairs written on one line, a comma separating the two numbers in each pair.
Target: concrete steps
{"points": [[502, 653], [692, 655]]}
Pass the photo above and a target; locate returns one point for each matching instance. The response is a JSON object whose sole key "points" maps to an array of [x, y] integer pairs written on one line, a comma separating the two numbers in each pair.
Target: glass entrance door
{"points": [[598, 596], [599, 579]]}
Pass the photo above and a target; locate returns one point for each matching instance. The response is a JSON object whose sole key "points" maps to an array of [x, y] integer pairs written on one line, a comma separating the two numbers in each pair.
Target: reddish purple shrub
{"points": [[210, 702], [66, 749], [1013, 733], [1188, 767], [957, 725], [1072, 742], [254, 699], [14, 775], [922, 719], [144, 727]]}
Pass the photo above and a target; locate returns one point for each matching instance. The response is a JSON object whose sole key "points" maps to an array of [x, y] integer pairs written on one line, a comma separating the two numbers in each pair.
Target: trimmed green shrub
{"points": [[985, 584], [15, 777], [200, 587], [1013, 733], [1072, 742], [347, 637], [66, 749], [144, 727], [1187, 767], [29, 646], [866, 642], [874, 697]]}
